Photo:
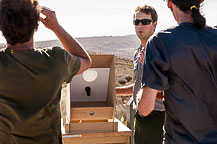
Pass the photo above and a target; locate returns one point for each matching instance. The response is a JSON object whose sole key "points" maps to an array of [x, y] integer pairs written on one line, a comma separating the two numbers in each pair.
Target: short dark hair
{"points": [[19, 19], [147, 10], [185, 5]]}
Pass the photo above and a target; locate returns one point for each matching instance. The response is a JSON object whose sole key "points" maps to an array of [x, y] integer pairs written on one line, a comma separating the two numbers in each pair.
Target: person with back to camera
{"points": [[30, 78], [182, 61], [148, 129]]}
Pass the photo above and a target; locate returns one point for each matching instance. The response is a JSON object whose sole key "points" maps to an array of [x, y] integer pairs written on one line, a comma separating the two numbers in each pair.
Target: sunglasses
{"points": [[143, 21]]}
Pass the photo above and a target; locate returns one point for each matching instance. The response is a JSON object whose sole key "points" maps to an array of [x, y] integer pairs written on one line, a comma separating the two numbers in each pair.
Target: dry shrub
{"points": [[122, 81], [128, 78]]}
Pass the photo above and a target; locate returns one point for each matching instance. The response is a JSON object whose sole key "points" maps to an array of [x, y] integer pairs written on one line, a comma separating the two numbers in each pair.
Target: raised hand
{"points": [[50, 20]]}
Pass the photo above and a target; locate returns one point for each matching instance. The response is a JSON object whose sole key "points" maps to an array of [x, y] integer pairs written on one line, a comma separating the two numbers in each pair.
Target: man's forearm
{"points": [[69, 43], [147, 101], [124, 90]]}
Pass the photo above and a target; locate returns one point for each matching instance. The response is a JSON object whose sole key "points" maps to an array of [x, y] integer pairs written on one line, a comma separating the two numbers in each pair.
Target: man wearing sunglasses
{"points": [[148, 129]]}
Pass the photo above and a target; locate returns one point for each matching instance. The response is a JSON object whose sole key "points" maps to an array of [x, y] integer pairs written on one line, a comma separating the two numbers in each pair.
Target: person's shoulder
{"points": [[168, 31], [162, 37], [208, 32], [2, 50], [163, 33], [51, 51], [209, 35], [215, 29], [209, 28], [55, 49]]}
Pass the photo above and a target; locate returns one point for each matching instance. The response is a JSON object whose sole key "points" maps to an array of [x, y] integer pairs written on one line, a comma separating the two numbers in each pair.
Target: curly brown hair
{"points": [[19, 19], [147, 10]]}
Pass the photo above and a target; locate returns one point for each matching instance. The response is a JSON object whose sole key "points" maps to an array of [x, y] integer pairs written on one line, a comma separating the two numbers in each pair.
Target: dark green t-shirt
{"points": [[30, 90]]}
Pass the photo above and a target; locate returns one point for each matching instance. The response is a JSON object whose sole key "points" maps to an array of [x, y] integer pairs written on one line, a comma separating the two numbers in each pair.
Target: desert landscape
{"points": [[123, 46]]}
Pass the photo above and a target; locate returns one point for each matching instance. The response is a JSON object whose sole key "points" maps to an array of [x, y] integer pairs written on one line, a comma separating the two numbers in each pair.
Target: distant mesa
{"points": [[123, 46]]}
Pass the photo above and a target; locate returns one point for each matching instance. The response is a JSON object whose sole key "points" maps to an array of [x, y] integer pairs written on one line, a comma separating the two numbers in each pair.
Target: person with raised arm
{"points": [[31, 78]]}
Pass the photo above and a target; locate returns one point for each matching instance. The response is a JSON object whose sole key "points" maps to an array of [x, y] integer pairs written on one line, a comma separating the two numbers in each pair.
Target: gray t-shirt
{"points": [[138, 69]]}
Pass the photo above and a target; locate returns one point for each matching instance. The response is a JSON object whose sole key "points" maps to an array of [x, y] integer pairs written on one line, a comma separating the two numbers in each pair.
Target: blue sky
{"points": [[87, 18]]}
